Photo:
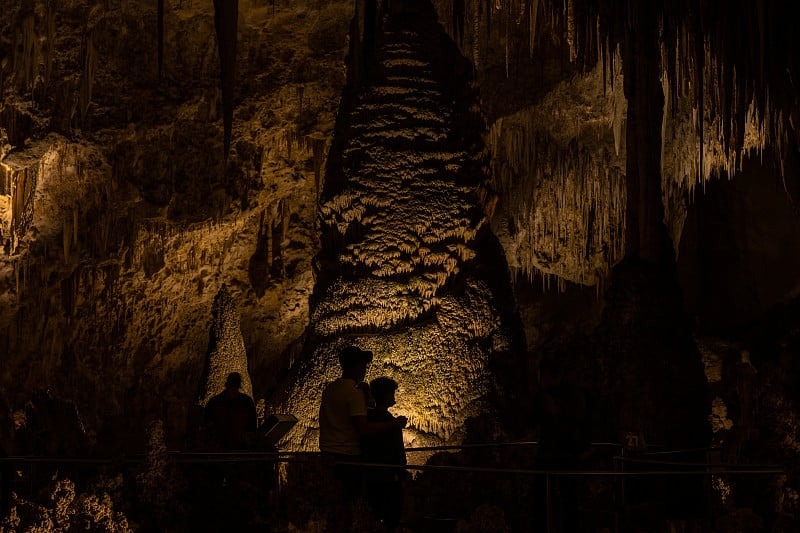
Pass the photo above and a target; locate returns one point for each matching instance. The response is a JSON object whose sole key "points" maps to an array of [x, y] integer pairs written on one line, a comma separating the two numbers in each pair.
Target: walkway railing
{"points": [[619, 472]]}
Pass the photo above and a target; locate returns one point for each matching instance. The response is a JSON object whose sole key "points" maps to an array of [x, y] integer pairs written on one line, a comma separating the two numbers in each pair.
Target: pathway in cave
{"points": [[409, 268]]}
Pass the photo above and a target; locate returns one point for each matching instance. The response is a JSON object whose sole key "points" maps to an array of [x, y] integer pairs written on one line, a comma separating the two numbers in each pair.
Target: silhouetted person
{"points": [[343, 420], [562, 412], [231, 415], [384, 486]]}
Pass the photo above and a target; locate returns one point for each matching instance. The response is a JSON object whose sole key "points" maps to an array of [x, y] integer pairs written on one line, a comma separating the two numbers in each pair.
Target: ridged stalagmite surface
{"points": [[406, 223], [226, 351]]}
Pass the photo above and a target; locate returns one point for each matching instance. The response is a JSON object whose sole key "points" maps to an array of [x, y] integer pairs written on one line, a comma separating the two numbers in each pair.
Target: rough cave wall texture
{"points": [[123, 221], [643, 157]]}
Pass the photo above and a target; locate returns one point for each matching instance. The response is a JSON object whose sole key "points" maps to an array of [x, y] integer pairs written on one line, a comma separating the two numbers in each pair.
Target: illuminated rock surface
{"points": [[226, 351], [123, 221], [407, 277], [127, 221]]}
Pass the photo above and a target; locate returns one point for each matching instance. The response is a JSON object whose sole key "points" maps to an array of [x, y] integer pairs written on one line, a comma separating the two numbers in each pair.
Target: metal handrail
{"points": [[549, 475], [502, 445], [214, 456], [690, 463], [579, 473]]}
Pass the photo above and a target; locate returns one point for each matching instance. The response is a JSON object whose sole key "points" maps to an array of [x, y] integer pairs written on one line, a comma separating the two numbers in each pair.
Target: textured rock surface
{"points": [[407, 275], [123, 221], [226, 350], [134, 222]]}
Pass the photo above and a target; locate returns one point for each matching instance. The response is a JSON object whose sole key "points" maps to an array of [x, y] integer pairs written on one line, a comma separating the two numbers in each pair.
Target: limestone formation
{"points": [[405, 281], [226, 350]]}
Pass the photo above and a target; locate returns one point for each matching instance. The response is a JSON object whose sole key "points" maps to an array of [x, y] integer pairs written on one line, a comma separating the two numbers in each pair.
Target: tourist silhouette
{"points": [[343, 421], [384, 486], [231, 415]]}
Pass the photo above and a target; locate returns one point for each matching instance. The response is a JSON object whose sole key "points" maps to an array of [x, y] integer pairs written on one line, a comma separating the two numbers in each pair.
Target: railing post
{"points": [[622, 478], [549, 503], [616, 501], [621, 468]]}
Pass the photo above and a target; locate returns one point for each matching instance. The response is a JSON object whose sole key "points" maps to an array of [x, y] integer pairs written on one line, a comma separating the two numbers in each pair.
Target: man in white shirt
{"points": [[343, 419]]}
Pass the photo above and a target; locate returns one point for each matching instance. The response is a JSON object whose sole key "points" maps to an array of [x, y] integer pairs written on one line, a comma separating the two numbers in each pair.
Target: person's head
{"points": [[233, 382], [383, 390], [354, 361], [549, 373]]}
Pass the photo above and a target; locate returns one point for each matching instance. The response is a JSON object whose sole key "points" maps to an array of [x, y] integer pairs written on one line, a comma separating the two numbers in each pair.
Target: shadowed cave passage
{"points": [[409, 268]]}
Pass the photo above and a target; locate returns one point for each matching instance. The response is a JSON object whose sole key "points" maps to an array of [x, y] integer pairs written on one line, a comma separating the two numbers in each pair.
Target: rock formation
{"points": [[226, 350], [406, 271]]}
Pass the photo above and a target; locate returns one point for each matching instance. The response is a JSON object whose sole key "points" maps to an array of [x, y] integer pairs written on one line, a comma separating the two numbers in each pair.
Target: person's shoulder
{"points": [[245, 398], [214, 400], [344, 386], [336, 383]]}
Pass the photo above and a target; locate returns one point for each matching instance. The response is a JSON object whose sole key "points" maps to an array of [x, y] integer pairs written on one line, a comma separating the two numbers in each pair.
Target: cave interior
{"points": [[467, 188]]}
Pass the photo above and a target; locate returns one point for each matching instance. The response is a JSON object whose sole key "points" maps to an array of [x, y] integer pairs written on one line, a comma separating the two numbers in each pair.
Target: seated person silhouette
{"points": [[231, 415], [384, 486]]}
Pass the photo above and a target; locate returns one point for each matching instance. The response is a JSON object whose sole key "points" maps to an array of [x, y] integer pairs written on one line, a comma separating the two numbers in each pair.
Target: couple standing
{"points": [[351, 433]]}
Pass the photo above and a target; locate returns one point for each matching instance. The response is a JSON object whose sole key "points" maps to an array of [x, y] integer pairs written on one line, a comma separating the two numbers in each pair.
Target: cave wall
{"points": [[688, 109], [122, 218], [124, 221]]}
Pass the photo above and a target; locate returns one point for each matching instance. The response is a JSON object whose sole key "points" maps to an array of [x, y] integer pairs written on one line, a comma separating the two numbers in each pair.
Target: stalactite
{"points": [[534, 12], [506, 37], [160, 16], [75, 222], [67, 236], [26, 52], [318, 146], [571, 33], [476, 32], [567, 199], [87, 76], [50, 35], [226, 16]]}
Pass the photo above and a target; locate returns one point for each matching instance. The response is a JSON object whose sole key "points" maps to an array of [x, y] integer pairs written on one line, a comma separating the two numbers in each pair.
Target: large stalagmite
{"points": [[407, 272]]}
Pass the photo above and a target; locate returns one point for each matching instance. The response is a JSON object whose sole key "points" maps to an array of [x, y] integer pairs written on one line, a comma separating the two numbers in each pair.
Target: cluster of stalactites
{"points": [[733, 99], [527, 23], [567, 205], [561, 184], [716, 115]]}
